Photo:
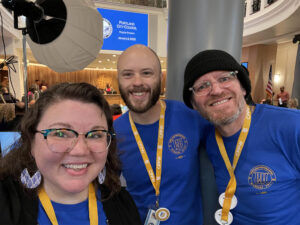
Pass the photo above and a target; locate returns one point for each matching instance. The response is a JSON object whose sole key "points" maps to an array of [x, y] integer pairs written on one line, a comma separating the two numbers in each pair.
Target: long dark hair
{"points": [[20, 156]]}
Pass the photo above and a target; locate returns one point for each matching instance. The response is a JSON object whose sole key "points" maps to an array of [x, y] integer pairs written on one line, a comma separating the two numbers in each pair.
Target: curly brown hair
{"points": [[20, 156]]}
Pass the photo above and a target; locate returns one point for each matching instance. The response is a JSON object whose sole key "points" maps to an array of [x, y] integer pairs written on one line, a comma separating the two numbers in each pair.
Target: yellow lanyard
{"points": [[155, 180], [47, 205], [231, 187]]}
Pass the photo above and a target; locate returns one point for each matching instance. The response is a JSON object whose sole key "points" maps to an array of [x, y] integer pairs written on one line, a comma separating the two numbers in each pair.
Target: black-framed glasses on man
{"points": [[64, 139], [205, 87]]}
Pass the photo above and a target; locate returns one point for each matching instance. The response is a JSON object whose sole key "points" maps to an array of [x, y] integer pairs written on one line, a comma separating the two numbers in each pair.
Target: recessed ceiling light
{"points": [[108, 59], [114, 55], [100, 61]]}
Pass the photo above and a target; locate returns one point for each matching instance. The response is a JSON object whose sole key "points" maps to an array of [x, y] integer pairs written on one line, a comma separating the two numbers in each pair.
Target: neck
{"points": [[66, 197], [232, 128], [148, 117]]}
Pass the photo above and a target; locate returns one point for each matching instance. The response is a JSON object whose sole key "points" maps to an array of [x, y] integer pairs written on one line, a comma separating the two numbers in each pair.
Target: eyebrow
{"points": [[60, 124], [65, 125], [126, 70]]}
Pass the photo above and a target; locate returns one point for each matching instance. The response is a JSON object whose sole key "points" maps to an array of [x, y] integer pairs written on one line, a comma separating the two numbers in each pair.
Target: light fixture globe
{"points": [[78, 41]]}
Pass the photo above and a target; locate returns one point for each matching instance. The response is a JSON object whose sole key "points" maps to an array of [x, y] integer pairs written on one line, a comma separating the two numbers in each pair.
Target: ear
{"points": [[244, 91], [32, 151], [193, 102]]}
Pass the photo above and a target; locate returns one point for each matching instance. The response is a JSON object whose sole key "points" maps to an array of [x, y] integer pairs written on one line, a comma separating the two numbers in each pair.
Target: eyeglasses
{"points": [[64, 139], [223, 81]]}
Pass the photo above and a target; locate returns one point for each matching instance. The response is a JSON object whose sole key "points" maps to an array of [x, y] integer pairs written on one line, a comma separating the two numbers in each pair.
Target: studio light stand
{"points": [[65, 35]]}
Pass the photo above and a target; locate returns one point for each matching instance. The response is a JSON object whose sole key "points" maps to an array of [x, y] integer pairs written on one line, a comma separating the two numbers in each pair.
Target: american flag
{"points": [[269, 88]]}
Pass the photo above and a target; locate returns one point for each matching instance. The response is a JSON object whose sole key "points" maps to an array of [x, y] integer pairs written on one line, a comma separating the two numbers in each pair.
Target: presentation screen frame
{"points": [[122, 29]]}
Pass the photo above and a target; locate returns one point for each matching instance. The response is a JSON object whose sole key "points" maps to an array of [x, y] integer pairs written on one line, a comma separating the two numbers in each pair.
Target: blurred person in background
{"points": [[283, 97]]}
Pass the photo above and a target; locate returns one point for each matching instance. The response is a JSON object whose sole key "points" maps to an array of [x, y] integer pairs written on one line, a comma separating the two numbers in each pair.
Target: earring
{"points": [[101, 176], [31, 182]]}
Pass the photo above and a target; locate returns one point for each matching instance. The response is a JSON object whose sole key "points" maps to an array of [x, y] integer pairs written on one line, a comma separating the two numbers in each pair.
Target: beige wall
{"points": [[285, 65], [260, 57]]}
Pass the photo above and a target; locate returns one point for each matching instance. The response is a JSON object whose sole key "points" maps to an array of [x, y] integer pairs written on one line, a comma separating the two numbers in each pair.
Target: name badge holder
{"points": [[151, 219], [227, 199], [158, 214]]}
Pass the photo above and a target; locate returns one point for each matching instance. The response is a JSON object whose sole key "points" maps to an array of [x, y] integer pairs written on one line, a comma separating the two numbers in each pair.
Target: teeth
{"points": [[76, 166], [221, 102], [138, 93]]}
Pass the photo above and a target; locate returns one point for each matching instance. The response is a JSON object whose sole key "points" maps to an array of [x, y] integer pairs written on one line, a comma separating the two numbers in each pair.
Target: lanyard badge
{"points": [[161, 214], [47, 205], [227, 199]]}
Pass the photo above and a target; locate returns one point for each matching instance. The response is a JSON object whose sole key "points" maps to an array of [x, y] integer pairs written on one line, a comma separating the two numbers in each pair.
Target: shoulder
{"points": [[121, 121], [266, 110], [277, 119], [16, 203], [120, 209], [178, 110]]}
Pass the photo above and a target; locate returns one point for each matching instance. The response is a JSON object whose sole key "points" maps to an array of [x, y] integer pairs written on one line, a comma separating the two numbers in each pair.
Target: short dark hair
{"points": [[20, 156], [116, 109]]}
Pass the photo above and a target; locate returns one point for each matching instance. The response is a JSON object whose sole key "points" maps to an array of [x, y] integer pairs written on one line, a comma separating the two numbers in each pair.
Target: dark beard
{"points": [[153, 99]]}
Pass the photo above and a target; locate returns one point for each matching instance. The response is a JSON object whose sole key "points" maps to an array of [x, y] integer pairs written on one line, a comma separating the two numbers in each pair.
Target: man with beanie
{"points": [[256, 156]]}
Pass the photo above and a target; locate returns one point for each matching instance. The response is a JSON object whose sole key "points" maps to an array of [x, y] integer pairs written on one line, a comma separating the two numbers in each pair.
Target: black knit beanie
{"points": [[208, 61]]}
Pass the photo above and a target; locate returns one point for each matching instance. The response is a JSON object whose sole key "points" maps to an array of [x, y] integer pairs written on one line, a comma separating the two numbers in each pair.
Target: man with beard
{"points": [[256, 156], [159, 143]]}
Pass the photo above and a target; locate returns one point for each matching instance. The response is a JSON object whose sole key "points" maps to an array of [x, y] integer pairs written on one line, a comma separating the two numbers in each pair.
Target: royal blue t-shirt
{"points": [[180, 178], [268, 171], [74, 214]]}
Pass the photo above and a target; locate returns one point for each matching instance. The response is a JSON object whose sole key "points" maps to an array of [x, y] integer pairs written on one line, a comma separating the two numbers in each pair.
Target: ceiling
{"points": [[104, 61], [281, 32]]}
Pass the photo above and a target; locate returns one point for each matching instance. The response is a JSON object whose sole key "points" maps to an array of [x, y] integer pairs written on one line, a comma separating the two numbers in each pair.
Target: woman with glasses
{"points": [[64, 169]]}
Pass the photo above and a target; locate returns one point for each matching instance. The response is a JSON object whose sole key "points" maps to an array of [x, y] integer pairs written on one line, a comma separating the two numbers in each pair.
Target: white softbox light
{"points": [[79, 42]]}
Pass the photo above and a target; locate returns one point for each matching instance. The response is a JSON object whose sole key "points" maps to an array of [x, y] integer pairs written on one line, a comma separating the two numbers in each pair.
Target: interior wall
{"points": [[285, 66], [259, 58], [282, 57], [98, 78]]}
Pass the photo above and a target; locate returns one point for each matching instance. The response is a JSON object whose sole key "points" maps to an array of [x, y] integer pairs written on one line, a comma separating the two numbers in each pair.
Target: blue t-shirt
{"points": [[74, 214], [180, 179], [268, 171]]}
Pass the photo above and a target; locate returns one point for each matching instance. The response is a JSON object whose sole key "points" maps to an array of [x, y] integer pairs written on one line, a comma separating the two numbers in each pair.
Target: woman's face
{"points": [[70, 173]]}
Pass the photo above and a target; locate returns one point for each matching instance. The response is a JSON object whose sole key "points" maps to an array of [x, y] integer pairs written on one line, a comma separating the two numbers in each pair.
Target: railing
{"points": [[150, 3], [254, 6]]}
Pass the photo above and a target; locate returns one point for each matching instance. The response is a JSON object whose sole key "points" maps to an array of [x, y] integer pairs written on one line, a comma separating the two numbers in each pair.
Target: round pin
{"points": [[218, 216], [233, 201], [162, 214]]}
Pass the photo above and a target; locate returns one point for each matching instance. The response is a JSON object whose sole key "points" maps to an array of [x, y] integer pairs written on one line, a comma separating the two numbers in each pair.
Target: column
{"points": [[196, 25], [296, 88]]}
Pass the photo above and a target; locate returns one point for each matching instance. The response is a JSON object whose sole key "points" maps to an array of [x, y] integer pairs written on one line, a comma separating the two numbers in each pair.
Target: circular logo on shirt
{"points": [[261, 177], [178, 144], [107, 28]]}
